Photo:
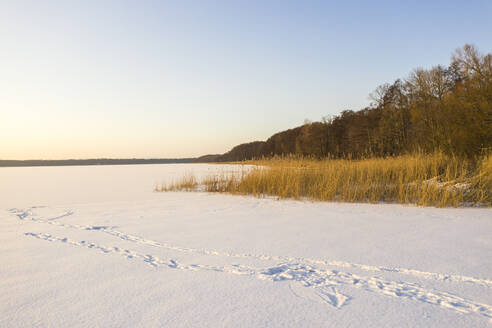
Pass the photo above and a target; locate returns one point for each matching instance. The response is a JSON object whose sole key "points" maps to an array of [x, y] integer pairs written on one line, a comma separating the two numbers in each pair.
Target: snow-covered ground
{"points": [[96, 247]]}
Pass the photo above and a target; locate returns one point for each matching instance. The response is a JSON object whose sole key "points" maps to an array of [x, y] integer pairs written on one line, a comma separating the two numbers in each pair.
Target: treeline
{"points": [[447, 109], [97, 161]]}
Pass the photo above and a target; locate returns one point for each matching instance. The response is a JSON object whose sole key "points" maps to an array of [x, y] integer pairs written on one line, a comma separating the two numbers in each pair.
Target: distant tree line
{"points": [[95, 161], [446, 109]]}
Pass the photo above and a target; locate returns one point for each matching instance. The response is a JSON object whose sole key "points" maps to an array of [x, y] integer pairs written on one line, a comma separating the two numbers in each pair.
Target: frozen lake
{"points": [[21, 186], [94, 246]]}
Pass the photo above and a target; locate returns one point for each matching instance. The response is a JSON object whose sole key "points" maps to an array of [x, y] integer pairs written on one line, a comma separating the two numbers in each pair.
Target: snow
{"points": [[95, 246]]}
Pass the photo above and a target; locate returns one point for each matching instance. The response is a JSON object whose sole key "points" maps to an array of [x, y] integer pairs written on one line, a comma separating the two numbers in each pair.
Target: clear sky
{"points": [[85, 79]]}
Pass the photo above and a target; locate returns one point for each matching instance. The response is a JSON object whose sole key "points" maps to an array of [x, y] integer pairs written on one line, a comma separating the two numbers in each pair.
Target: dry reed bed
{"points": [[429, 180]]}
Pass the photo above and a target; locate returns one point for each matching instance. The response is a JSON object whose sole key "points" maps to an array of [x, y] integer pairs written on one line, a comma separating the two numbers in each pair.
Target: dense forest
{"points": [[447, 109]]}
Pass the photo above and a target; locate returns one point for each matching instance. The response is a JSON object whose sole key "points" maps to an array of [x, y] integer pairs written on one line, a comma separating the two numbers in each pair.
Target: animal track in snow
{"points": [[324, 282], [25, 214], [302, 271]]}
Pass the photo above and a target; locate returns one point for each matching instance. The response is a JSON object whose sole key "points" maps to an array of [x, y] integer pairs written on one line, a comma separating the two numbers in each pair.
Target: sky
{"points": [[168, 79]]}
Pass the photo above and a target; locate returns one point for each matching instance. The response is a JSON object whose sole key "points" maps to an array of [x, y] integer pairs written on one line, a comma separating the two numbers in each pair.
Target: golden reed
{"points": [[428, 180]]}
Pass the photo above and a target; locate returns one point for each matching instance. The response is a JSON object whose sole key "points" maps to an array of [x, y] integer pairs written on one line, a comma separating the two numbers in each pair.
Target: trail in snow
{"points": [[28, 214], [305, 272], [324, 281]]}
